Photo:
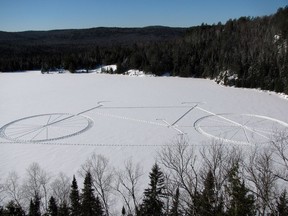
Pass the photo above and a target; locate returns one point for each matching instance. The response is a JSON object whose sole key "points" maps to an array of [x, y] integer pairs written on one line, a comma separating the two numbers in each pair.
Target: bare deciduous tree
{"points": [[127, 185], [214, 158], [13, 188], [219, 159], [102, 176], [1, 192], [180, 160], [260, 171], [37, 184], [280, 147], [60, 189]]}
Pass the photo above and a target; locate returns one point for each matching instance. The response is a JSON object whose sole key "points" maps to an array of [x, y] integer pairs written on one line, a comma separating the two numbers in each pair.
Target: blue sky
{"points": [[21, 15]]}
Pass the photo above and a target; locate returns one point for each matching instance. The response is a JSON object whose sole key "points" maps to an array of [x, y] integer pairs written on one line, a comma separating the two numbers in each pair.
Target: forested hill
{"points": [[249, 51], [100, 36]]}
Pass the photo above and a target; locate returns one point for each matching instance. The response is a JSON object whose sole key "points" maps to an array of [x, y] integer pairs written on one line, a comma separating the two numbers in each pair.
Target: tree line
{"points": [[215, 179], [246, 52]]}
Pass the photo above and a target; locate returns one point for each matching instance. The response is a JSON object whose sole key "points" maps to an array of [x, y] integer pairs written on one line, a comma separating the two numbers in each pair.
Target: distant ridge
{"points": [[97, 36]]}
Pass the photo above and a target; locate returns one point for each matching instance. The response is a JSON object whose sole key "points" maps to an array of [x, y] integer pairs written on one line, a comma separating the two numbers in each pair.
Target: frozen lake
{"points": [[59, 120]]}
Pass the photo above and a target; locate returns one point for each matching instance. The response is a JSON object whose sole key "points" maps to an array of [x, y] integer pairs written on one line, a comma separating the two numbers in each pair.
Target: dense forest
{"points": [[246, 52], [216, 179]]}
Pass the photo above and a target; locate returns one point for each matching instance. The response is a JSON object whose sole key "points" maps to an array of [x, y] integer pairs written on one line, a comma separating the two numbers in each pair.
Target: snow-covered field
{"points": [[70, 116]]}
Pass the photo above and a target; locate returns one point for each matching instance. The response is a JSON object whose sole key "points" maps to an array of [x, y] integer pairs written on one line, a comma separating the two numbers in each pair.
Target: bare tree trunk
{"points": [[102, 176], [60, 189], [180, 163], [280, 146], [36, 184], [260, 173], [219, 159], [1, 192], [127, 184], [13, 188], [124, 196]]}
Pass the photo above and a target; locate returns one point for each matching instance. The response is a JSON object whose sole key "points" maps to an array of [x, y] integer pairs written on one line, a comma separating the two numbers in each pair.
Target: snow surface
{"points": [[134, 120]]}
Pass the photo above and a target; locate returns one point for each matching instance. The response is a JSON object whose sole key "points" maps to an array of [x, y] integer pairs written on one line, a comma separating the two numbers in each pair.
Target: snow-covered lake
{"points": [[59, 120]]}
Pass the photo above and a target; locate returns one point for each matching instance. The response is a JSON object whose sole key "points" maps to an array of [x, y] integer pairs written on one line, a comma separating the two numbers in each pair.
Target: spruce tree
{"points": [[123, 211], [75, 206], [175, 211], [63, 209], [12, 209], [152, 202], [208, 194], [34, 208], [241, 202], [282, 204], [99, 208], [52, 207], [207, 202], [31, 208], [88, 207]]}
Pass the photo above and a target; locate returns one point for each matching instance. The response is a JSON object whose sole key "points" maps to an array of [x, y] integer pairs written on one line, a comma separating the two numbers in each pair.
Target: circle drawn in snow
{"points": [[45, 127], [240, 128]]}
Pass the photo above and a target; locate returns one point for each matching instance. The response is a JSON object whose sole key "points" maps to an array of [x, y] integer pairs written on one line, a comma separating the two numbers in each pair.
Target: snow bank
{"points": [[138, 73], [104, 69], [227, 78]]}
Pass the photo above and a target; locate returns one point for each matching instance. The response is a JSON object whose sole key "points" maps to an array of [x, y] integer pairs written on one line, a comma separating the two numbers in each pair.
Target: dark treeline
{"points": [[245, 52], [72, 49], [215, 179]]}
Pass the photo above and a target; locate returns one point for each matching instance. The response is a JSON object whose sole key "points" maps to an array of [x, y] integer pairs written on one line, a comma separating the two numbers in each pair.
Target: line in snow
{"points": [[144, 107], [105, 145], [129, 119], [85, 144]]}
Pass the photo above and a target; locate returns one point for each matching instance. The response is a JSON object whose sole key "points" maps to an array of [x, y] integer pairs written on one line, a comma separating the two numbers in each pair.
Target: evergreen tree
{"points": [[34, 208], [206, 201], [208, 194], [88, 207], [31, 208], [241, 202], [75, 206], [12, 209], [52, 207], [123, 211], [99, 208], [152, 202], [282, 204], [63, 210], [175, 211]]}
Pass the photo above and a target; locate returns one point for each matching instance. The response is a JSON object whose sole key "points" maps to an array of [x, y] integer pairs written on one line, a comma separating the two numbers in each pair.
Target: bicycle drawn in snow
{"points": [[230, 128]]}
